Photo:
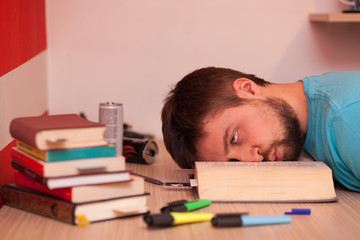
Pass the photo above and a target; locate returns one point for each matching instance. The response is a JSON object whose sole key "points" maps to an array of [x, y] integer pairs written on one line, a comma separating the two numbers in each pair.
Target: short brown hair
{"points": [[200, 94]]}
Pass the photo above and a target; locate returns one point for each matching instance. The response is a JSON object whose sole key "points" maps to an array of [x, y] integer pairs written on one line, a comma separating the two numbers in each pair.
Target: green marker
{"points": [[185, 206]]}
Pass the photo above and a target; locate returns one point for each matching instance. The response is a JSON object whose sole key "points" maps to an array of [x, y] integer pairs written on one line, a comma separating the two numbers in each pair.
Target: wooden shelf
{"points": [[335, 17]]}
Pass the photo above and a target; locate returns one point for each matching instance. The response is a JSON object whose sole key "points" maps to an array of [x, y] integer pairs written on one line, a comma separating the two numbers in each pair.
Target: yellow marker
{"points": [[181, 218], [175, 218]]}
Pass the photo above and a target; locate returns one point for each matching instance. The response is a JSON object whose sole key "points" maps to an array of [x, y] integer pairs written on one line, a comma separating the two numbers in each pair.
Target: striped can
{"points": [[111, 114]]}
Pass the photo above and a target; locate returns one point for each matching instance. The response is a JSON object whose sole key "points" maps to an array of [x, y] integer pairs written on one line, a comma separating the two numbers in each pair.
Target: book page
{"points": [[260, 165]]}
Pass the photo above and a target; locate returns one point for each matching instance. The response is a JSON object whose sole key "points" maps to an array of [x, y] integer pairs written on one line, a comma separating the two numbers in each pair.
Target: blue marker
{"points": [[233, 220], [299, 211]]}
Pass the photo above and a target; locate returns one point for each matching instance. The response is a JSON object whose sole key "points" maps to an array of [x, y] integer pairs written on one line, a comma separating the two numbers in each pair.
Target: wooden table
{"points": [[340, 220]]}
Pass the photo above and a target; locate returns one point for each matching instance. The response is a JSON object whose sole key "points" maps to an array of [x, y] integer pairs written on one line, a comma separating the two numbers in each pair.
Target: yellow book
{"points": [[31, 150]]}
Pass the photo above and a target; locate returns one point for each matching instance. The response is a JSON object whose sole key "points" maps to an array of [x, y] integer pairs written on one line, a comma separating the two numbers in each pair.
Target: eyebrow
{"points": [[225, 139]]}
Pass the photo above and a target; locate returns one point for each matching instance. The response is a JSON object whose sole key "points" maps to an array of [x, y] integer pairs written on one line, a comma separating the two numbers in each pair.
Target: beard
{"points": [[292, 140]]}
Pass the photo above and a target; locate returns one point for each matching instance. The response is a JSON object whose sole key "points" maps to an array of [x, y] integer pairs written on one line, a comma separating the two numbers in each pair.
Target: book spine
{"points": [[68, 154], [63, 193], [27, 160], [22, 132], [81, 153], [29, 172], [38, 203], [31, 150]]}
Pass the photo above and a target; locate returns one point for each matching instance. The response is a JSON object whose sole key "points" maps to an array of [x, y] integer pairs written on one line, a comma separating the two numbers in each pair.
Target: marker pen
{"points": [[185, 206], [175, 218], [299, 211], [232, 220]]}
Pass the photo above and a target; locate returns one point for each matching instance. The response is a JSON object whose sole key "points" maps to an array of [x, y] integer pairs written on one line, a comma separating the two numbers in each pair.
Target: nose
{"points": [[251, 154]]}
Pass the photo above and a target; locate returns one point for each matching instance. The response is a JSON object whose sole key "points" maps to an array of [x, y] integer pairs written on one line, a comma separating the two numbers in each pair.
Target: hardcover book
{"points": [[16, 196], [65, 168], [290, 181], [86, 193], [58, 131], [68, 154], [75, 180]]}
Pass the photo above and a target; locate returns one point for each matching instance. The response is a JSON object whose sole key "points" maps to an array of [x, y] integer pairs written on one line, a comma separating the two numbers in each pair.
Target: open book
{"points": [[290, 181]]}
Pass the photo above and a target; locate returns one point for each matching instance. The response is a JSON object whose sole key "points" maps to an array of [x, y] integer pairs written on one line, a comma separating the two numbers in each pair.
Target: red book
{"points": [[64, 131], [86, 193], [65, 168], [73, 180]]}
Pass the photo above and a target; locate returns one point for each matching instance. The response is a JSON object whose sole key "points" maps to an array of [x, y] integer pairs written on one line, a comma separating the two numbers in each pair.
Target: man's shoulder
{"points": [[340, 87], [335, 77]]}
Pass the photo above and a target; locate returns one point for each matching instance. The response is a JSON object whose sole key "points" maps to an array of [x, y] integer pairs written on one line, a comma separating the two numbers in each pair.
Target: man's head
{"points": [[193, 122]]}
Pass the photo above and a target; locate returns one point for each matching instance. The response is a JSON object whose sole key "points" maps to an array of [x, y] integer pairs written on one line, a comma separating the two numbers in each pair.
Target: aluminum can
{"points": [[143, 151], [111, 114]]}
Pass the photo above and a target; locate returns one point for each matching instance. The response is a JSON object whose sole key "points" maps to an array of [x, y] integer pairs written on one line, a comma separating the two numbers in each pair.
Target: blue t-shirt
{"points": [[333, 134]]}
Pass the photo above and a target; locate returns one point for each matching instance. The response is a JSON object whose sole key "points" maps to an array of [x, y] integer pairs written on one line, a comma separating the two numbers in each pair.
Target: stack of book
{"points": [[67, 171]]}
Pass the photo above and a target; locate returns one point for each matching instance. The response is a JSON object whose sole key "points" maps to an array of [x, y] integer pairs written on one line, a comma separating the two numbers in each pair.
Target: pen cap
{"points": [[300, 211], [177, 203], [227, 220], [177, 206], [161, 220]]}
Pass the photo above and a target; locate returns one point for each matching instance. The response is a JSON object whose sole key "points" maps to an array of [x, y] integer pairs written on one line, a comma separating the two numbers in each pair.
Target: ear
{"points": [[246, 88]]}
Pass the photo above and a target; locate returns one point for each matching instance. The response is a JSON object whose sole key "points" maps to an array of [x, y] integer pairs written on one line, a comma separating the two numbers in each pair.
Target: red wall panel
{"points": [[22, 32], [22, 36]]}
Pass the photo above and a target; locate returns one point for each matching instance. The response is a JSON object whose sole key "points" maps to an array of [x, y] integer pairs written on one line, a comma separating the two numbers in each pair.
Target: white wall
{"points": [[133, 51], [23, 92]]}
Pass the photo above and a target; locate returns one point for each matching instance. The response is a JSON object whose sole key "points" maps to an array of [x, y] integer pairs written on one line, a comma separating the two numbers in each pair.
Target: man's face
{"points": [[263, 129]]}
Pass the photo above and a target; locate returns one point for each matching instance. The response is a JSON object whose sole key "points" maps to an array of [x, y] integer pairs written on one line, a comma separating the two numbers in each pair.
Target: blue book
{"points": [[68, 154]]}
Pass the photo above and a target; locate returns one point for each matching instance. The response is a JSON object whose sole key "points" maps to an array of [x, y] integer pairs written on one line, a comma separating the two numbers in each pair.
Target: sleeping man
{"points": [[220, 114]]}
